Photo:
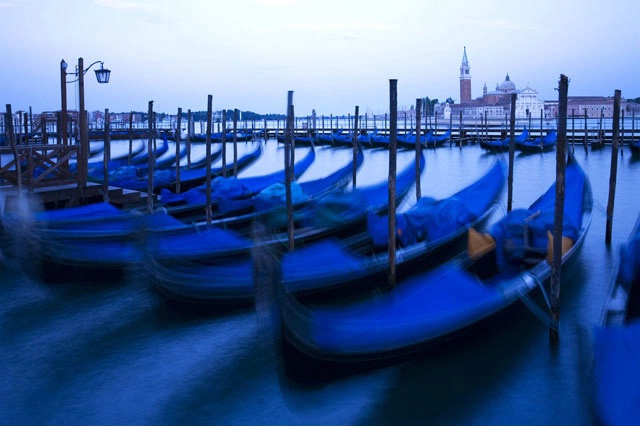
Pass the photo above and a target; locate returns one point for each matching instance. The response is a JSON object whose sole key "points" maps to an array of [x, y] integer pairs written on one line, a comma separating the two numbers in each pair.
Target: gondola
{"points": [[408, 139], [219, 270], [616, 366], [102, 241], [436, 304], [538, 145], [502, 145], [430, 231], [194, 197], [137, 178], [435, 141]]}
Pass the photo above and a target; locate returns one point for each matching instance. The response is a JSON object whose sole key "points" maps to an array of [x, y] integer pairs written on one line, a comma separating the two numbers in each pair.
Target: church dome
{"points": [[507, 85]]}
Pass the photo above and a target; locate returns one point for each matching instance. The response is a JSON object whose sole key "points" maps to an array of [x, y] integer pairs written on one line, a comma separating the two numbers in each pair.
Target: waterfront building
{"points": [[496, 104]]}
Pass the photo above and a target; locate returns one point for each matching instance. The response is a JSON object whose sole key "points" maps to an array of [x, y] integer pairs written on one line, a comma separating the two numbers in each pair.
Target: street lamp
{"points": [[102, 75]]}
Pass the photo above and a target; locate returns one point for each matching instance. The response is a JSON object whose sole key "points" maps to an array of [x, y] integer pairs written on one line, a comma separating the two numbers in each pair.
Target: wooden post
{"points": [[106, 157], [600, 131], [404, 129], [288, 166], [541, 114], [25, 126], [561, 160], [150, 159], [224, 142], [235, 142], [83, 156], [460, 131], [45, 135], [573, 128], [621, 143], [450, 128], [633, 125], [12, 140], [614, 164], [486, 125], [512, 149], [393, 144], [418, 146], [586, 128], [130, 137], [177, 138], [188, 141], [435, 125], [208, 142], [355, 148]]}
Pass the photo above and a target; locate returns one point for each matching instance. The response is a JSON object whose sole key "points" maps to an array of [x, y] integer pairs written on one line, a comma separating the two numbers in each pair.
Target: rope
{"points": [[543, 316]]}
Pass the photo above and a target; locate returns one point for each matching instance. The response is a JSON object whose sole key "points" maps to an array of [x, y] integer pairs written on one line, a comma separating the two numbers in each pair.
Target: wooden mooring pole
{"points": [[224, 142], [561, 162], [8, 119], [130, 137], [614, 165], [391, 186], [177, 138], [288, 166], [418, 145], [106, 156], [355, 147], [512, 149], [189, 133], [150, 159], [208, 154], [235, 141]]}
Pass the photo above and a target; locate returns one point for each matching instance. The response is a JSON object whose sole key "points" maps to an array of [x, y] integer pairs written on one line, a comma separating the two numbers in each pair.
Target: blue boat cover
{"points": [[617, 374], [629, 269], [338, 207], [422, 307], [90, 210], [427, 219], [221, 188], [431, 219], [525, 230], [237, 188]]}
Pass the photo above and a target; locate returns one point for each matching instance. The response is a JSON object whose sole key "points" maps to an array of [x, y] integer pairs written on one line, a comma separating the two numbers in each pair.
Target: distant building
{"points": [[593, 107], [493, 104], [496, 104], [465, 79]]}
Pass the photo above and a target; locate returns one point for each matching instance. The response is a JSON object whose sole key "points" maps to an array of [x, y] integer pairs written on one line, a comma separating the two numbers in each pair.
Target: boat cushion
{"points": [[479, 244], [567, 243]]}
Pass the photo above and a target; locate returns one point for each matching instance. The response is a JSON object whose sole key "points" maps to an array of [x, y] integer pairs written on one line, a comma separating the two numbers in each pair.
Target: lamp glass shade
{"points": [[103, 75]]}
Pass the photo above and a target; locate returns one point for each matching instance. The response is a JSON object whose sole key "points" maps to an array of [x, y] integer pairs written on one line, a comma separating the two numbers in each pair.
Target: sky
{"points": [[333, 55]]}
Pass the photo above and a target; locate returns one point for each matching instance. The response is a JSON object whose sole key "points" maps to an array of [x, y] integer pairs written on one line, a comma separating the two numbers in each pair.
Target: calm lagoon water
{"points": [[115, 353]]}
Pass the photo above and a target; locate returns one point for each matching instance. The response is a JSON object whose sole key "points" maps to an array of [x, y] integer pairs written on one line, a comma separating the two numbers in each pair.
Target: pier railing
{"points": [[41, 165]]}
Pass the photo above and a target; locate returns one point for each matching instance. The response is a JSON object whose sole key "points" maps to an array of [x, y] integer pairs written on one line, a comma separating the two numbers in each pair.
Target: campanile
{"points": [[465, 79]]}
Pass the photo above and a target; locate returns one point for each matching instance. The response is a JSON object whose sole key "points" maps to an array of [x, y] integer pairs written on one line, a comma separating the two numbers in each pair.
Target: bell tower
{"points": [[465, 79]]}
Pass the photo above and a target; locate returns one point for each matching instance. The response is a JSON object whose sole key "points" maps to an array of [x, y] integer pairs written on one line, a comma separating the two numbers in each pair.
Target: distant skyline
{"points": [[334, 55]]}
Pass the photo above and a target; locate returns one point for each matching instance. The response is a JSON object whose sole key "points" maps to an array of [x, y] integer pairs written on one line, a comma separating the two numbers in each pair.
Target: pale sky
{"points": [[334, 55]]}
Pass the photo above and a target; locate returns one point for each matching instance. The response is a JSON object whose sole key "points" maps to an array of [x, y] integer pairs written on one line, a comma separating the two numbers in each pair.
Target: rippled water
{"points": [[115, 353]]}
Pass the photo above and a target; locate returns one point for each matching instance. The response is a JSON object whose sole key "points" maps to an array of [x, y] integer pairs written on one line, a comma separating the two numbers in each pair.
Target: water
{"points": [[115, 353]]}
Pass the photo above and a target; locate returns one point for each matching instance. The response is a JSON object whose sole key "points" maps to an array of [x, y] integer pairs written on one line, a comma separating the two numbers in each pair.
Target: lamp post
{"points": [[63, 91], [102, 75]]}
